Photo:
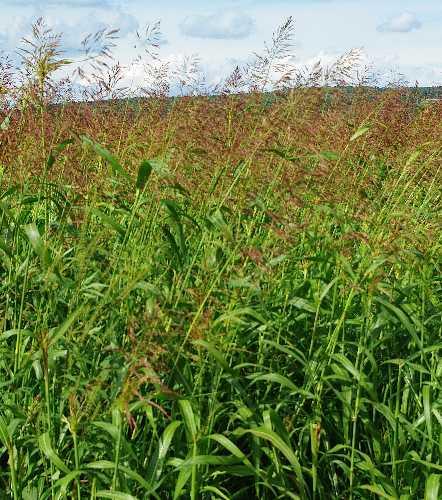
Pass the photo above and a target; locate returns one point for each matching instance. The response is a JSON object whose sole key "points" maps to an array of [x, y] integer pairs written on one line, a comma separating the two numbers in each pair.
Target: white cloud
{"points": [[233, 24], [74, 31], [338, 25], [402, 23]]}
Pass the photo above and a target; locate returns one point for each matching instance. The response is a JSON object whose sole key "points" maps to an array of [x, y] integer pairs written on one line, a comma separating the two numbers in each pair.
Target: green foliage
{"points": [[171, 347]]}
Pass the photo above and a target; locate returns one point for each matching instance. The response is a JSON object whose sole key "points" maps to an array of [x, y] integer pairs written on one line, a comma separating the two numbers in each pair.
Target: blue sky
{"points": [[399, 35]]}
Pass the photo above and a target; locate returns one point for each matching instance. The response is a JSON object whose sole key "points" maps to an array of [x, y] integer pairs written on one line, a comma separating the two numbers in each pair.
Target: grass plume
{"points": [[232, 295]]}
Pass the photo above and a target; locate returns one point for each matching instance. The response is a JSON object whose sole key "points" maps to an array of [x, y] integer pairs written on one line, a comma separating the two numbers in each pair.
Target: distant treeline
{"points": [[430, 92], [415, 94]]}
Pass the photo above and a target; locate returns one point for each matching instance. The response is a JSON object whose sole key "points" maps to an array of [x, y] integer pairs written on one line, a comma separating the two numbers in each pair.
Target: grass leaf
{"points": [[45, 444]]}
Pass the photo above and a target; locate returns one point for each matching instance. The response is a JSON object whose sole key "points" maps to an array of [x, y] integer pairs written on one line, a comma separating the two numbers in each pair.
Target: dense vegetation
{"points": [[224, 297]]}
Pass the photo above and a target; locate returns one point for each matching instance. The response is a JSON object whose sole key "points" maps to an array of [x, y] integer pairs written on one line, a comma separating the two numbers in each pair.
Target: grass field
{"points": [[227, 297]]}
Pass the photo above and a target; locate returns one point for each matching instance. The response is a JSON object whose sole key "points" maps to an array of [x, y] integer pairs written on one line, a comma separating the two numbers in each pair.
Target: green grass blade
{"points": [[432, 487], [45, 444]]}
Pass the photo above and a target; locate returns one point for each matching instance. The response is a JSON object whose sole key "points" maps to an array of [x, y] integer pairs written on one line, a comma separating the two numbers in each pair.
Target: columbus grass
{"points": [[222, 297]]}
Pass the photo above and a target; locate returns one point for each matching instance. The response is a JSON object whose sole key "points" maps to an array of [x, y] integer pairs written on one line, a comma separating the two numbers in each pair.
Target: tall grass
{"points": [[221, 298]]}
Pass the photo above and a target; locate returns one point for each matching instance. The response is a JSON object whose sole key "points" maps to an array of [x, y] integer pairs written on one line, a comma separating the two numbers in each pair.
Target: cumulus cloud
{"points": [[74, 32], [402, 23], [226, 24]]}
